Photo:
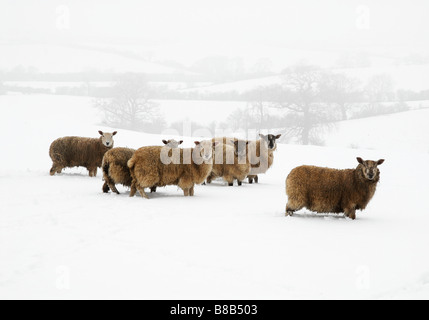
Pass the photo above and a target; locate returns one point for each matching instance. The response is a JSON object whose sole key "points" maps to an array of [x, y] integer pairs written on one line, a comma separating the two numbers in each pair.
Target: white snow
{"points": [[61, 237]]}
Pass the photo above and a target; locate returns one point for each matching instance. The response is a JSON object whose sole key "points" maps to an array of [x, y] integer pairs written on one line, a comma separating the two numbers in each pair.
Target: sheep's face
{"points": [[205, 149], [173, 144], [370, 168], [240, 148], [107, 138], [270, 140]]}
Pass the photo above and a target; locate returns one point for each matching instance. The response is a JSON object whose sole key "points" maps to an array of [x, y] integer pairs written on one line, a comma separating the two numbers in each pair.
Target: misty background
{"points": [[300, 68]]}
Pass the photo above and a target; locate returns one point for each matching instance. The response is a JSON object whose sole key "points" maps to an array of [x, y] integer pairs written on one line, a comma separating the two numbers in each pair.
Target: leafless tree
{"points": [[341, 90], [380, 88], [130, 106], [306, 114]]}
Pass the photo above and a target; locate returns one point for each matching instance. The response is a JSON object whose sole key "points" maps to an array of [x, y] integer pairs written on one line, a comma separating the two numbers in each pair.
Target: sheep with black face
{"points": [[261, 155]]}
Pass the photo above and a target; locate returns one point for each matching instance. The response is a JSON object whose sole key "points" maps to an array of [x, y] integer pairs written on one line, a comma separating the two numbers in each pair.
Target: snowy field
{"points": [[61, 237]]}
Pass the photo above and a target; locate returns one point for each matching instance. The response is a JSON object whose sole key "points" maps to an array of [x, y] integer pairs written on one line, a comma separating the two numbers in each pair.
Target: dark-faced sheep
{"points": [[154, 166], [69, 152], [230, 162], [261, 155], [115, 169], [325, 190]]}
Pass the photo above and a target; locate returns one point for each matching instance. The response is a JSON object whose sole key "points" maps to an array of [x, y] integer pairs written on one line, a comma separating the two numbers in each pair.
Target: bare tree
{"points": [[380, 88], [341, 90], [130, 106], [305, 113]]}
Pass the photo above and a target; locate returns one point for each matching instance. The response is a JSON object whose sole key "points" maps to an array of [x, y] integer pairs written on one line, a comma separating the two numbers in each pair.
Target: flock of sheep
{"points": [[322, 190]]}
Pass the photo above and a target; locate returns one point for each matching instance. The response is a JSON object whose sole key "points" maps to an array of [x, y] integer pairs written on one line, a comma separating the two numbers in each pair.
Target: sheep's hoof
{"points": [[231, 184], [289, 213], [240, 183]]}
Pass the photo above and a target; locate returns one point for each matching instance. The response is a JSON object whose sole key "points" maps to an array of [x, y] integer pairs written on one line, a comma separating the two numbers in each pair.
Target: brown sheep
{"points": [[150, 167], [115, 168], [261, 155], [325, 190], [230, 162], [69, 152]]}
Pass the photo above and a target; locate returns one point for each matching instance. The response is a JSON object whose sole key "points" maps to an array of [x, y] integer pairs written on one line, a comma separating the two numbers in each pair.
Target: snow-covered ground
{"points": [[61, 237]]}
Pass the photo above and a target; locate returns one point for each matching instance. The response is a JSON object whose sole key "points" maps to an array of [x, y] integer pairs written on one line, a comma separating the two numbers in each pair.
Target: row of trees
{"points": [[309, 101]]}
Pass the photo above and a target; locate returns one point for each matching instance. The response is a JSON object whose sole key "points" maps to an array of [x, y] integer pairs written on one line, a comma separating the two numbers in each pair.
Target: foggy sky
{"points": [[221, 23]]}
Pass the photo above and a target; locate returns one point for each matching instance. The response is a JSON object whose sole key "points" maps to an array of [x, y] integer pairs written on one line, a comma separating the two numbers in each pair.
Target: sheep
{"points": [[69, 152], [150, 167], [115, 166], [173, 144], [261, 155], [115, 169], [325, 190], [230, 162]]}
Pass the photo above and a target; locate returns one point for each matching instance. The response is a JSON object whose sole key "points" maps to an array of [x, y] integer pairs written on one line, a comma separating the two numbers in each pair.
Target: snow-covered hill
{"points": [[61, 237], [64, 59]]}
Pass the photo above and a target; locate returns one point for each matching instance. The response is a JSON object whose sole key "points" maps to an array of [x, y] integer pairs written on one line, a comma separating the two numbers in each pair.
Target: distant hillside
{"points": [[62, 59]]}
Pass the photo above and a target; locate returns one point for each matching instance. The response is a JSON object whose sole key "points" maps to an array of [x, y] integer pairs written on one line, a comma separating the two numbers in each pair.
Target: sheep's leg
{"points": [[186, 192], [209, 179], [256, 179], [113, 188], [291, 208], [153, 189], [92, 172], [142, 192], [55, 169], [106, 187], [191, 191], [250, 180], [240, 183], [133, 192], [230, 180], [109, 184], [350, 213]]}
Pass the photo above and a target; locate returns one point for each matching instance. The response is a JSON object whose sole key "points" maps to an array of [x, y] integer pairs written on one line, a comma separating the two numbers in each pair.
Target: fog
{"points": [[231, 58]]}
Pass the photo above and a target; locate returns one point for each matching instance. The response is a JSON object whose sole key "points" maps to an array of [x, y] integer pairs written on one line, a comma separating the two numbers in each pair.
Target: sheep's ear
{"points": [[164, 141], [234, 142], [197, 143], [360, 160], [247, 143], [262, 136], [278, 136], [181, 141], [101, 133], [379, 162], [115, 133]]}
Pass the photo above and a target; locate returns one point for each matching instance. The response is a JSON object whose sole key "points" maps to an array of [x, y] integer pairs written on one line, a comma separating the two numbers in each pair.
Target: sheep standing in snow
{"points": [[325, 190], [115, 169], [261, 154], [230, 162], [115, 166], [69, 152], [150, 168]]}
